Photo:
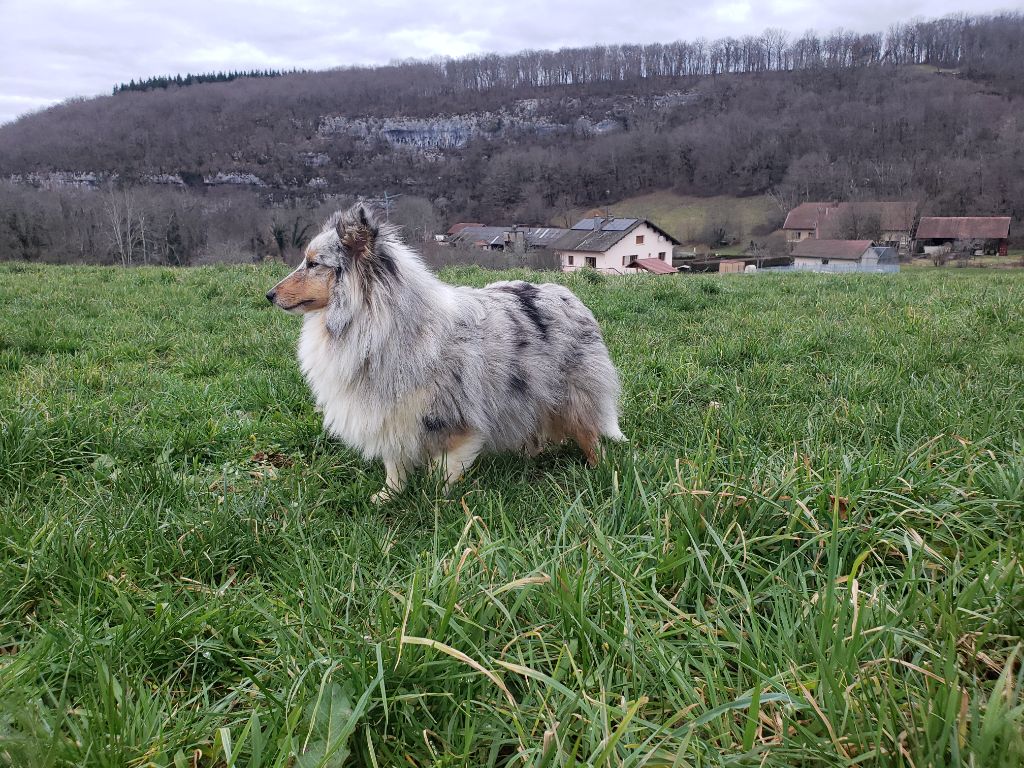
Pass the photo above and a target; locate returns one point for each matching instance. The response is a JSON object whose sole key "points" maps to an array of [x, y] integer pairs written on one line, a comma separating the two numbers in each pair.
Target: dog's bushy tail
{"points": [[612, 432]]}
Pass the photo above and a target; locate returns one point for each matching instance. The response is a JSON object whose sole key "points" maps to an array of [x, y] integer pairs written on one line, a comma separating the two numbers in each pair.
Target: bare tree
{"points": [[939, 256], [416, 215], [855, 224], [124, 231], [964, 250]]}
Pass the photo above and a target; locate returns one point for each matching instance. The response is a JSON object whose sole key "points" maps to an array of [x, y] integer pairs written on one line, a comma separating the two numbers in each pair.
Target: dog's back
{"points": [[536, 366]]}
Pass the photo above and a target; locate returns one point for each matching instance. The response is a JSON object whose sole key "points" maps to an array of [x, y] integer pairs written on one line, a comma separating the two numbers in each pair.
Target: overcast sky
{"points": [[55, 50]]}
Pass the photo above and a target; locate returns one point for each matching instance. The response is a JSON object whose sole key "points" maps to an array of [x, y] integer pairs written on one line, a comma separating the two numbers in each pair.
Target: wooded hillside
{"points": [[931, 111]]}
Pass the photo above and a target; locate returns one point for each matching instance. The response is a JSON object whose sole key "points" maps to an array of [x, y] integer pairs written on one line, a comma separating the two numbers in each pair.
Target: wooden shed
{"points": [[844, 255], [990, 234]]}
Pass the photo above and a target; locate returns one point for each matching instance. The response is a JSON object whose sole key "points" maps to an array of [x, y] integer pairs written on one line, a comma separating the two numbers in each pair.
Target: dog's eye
{"points": [[311, 264]]}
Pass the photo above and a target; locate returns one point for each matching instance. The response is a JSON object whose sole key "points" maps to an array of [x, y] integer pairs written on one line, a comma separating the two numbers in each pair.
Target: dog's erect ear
{"points": [[358, 230]]}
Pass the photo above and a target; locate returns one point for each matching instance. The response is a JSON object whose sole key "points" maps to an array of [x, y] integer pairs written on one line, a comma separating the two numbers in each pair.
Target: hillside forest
{"points": [[192, 169]]}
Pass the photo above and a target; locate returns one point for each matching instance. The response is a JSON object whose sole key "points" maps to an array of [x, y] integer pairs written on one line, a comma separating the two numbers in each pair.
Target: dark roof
{"points": [[536, 237], [964, 228], [805, 216], [655, 266], [543, 237], [596, 235], [894, 216], [608, 225], [478, 233], [831, 249]]}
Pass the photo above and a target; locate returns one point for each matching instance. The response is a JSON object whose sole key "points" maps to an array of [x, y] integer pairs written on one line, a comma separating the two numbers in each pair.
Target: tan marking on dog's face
{"points": [[307, 289]]}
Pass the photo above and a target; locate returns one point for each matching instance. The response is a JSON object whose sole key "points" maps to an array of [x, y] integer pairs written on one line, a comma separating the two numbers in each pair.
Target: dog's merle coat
{"points": [[409, 369]]}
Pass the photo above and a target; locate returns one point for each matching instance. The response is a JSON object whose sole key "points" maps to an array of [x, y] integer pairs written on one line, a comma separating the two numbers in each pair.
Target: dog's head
{"points": [[347, 253]]}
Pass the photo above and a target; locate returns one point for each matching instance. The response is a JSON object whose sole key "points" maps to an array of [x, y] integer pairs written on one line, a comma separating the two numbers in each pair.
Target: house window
{"points": [[591, 261], [625, 260], [570, 259], [661, 255], [639, 239]]}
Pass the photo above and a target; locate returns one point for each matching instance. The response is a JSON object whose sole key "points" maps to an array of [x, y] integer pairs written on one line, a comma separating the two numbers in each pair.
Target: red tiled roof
{"points": [[655, 266], [892, 216], [829, 218], [456, 228], [831, 249], [805, 216], [964, 228]]}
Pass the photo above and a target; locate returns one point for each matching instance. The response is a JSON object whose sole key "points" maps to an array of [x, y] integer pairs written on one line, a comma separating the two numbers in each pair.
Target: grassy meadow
{"points": [[809, 554], [686, 217]]}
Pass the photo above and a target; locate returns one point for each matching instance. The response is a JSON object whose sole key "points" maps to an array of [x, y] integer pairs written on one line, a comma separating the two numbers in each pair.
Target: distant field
{"points": [[686, 217], [1013, 260], [808, 555]]}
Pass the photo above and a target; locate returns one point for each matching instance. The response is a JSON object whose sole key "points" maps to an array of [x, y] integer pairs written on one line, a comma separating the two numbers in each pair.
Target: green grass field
{"points": [[685, 217], [1013, 260], [808, 555]]}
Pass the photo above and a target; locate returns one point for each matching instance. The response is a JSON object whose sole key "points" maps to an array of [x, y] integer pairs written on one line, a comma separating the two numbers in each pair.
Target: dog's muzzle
{"points": [[271, 295]]}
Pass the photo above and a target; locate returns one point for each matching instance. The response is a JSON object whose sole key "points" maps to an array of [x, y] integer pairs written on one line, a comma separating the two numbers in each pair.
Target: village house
{"points": [[887, 223], [616, 246], [481, 236], [457, 228], [988, 234], [802, 222], [503, 238], [840, 255]]}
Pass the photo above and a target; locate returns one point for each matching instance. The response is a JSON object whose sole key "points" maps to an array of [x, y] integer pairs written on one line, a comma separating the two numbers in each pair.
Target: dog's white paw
{"points": [[383, 496]]}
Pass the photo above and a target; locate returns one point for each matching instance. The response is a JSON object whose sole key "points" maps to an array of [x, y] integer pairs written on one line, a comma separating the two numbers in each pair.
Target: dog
{"points": [[411, 370]]}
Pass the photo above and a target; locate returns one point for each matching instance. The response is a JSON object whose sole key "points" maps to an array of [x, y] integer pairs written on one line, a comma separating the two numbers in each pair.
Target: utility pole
{"points": [[385, 201]]}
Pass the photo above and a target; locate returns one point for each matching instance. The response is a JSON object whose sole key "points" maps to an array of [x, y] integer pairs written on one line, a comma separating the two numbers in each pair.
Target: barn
{"points": [[887, 222], [843, 255], [988, 234]]}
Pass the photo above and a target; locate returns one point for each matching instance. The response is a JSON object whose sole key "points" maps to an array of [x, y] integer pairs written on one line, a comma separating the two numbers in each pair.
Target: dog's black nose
{"points": [[270, 295]]}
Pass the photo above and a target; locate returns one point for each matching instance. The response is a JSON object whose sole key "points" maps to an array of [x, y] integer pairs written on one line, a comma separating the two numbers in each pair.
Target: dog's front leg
{"points": [[397, 475], [461, 453]]}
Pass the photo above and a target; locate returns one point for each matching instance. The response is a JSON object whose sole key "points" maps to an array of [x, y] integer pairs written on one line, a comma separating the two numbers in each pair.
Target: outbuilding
{"points": [[988, 234], [840, 255], [885, 222], [654, 266]]}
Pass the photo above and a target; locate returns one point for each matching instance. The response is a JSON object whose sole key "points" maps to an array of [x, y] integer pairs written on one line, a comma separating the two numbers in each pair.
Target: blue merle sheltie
{"points": [[414, 371]]}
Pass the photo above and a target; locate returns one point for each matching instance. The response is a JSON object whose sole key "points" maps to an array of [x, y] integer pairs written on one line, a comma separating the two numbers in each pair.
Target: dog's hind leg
{"points": [[397, 475], [461, 453], [586, 438]]}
